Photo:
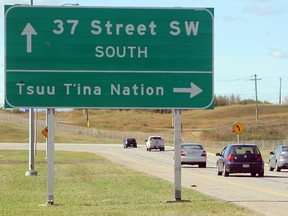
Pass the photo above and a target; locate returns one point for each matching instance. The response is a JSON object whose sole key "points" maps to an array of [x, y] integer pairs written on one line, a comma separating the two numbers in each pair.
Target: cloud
{"points": [[276, 53], [261, 10], [230, 18]]}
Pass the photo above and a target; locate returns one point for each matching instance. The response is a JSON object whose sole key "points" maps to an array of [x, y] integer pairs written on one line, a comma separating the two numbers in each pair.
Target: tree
{"points": [[226, 100]]}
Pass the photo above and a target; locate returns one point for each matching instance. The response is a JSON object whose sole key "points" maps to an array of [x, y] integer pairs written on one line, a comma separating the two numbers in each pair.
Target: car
{"points": [[279, 158], [193, 154], [155, 142], [240, 158], [130, 142]]}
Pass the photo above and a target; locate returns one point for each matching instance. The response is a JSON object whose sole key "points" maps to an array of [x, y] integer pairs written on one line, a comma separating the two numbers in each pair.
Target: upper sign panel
{"points": [[109, 57]]}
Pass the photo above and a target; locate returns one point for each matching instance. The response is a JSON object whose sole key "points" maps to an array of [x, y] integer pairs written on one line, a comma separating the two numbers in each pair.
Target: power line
{"points": [[234, 80]]}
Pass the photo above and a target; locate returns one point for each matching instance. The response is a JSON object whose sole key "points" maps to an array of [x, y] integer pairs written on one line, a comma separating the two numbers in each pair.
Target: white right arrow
{"points": [[193, 90], [29, 31]]}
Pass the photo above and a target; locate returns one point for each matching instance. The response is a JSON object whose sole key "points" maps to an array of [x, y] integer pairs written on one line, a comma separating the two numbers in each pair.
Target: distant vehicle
{"points": [[130, 142], [240, 158], [279, 159], [193, 154], [155, 142]]}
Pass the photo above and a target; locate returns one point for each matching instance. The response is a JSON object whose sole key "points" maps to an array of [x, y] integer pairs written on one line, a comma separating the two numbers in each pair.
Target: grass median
{"points": [[87, 184]]}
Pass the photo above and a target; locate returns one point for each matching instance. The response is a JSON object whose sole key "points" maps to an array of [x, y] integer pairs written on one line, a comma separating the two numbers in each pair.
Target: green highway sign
{"points": [[108, 57]]}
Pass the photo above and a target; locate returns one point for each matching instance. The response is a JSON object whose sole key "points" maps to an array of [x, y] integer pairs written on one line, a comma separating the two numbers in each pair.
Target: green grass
{"points": [[86, 184]]}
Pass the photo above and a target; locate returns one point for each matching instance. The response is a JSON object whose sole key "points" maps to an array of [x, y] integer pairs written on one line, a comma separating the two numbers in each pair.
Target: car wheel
{"points": [[163, 149], [219, 173], [278, 169], [226, 174], [253, 174], [271, 169], [149, 149], [261, 174], [135, 146], [202, 165]]}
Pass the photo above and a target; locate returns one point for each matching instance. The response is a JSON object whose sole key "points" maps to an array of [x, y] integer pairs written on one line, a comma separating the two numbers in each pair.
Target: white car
{"points": [[193, 154], [155, 142]]}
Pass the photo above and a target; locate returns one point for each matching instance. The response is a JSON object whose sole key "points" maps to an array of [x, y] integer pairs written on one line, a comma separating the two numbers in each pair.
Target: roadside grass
{"points": [[87, 184], [13, 132]]}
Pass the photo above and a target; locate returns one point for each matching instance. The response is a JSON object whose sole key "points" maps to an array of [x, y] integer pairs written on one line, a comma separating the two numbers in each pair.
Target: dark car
{"points": [[130, 142], [279, 159], [240, 158]]}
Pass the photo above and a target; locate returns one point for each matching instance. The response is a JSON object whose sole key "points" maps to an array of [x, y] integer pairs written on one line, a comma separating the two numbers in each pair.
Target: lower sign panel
{"points": [[166, 90]]}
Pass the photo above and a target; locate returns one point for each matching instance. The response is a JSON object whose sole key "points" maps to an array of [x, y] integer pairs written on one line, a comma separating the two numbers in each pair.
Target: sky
{"points": [[250, 38]]}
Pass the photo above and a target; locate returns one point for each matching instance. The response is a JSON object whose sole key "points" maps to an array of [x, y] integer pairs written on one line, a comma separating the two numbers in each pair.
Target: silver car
{"points": [[279, 158], [193, 154]]}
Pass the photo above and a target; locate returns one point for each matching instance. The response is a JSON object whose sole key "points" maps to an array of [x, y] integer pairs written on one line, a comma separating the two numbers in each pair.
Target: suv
{"points": [[130, 142], [240, 158], [155, 142]]}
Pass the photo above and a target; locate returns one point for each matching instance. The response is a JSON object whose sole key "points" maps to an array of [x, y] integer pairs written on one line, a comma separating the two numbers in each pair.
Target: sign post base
{"points": [[31, 173]]}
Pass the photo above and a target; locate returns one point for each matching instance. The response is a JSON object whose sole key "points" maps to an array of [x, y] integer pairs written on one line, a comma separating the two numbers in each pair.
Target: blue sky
{"points": [[250, 37]]}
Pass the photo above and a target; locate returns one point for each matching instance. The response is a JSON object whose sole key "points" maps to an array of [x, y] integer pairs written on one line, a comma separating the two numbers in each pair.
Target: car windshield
{"points": [[156, 138], [191, 147], [245, 150], [285, 149], [131, 140]]}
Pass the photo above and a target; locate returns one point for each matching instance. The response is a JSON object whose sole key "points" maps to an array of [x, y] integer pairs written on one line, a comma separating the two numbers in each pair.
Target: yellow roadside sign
{"points": [[238, 128], [45, 132]]}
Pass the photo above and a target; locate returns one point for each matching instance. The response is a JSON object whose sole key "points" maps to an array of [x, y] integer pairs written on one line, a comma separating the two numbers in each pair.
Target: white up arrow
{"points": [[193, 90], [29, 31]]}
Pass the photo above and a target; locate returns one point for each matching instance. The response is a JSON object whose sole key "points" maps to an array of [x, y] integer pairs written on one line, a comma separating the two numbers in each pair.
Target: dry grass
{"points": [[202, 124]]}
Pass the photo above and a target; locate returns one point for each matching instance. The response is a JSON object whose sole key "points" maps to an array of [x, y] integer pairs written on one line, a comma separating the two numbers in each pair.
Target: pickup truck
{"points": [[155, 142]]}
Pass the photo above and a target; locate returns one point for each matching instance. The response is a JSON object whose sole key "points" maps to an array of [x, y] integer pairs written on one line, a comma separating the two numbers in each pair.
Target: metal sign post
{"points": [[31, 171], [177, 154], [50, 156], [177, 157]]}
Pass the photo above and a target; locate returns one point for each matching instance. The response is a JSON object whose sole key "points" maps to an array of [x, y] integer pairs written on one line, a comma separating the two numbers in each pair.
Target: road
{"points": [[267, 195]]}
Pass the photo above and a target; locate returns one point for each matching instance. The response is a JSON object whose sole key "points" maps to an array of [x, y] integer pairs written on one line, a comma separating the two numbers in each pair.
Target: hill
{"points": [[214, 124]]}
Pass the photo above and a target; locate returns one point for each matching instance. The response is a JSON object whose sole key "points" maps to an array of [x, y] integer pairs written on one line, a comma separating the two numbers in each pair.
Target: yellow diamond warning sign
{"points": [[45, 132], [238, 128]]}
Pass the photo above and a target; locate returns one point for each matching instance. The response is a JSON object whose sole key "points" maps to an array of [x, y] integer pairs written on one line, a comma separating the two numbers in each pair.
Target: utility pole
{"points": [[280, 97], [87, 118], [256, 94]]}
